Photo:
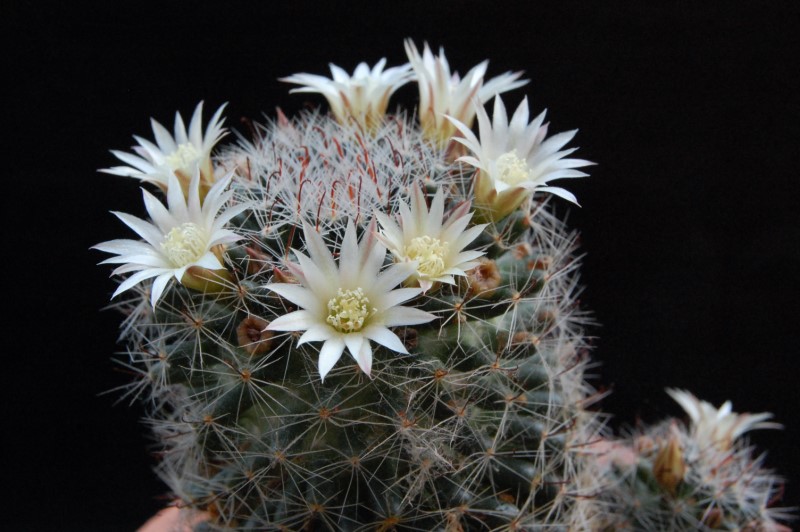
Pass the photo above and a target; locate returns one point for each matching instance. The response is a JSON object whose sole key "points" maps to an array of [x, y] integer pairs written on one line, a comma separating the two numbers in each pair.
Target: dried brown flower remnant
{"points": [[253, 335], [409, 337], [484, 277]]}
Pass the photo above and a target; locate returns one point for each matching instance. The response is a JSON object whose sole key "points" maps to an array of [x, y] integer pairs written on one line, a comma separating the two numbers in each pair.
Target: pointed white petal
{"points": [[166, 143], [321, 285], [318, 252], [193, 203], [364, 358], [354, 341], [136, 162], [472, 161], [468, 255], [160, 215], [433, 222], [209, 261], [137, 278], [397, 316], [560, 192], [393, 276], [159, 285], [373, 254], [317, 333], [147, 260], [688, 402], [144, 229], [329, 354], [298, 295], [195, 126], [395, 297], [500, 117], [385, 337], [213, 200], [180, 130], [299, 320], [176, 201], [349, 257], [124, 246]]}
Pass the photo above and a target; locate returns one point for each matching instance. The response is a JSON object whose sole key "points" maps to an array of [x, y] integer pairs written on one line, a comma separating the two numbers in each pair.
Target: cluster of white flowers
{"points": [[348, 305], [366, 232]]}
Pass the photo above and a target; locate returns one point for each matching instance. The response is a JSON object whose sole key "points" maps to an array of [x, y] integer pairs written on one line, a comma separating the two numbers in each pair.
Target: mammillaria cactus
{"points": [[358, 321]]}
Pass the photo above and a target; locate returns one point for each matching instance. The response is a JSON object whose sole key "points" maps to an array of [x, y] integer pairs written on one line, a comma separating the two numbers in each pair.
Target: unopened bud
{"points": [[280, 276], [713, 518], [257, 261], [669, 467], [522, 250], [207, 281]]}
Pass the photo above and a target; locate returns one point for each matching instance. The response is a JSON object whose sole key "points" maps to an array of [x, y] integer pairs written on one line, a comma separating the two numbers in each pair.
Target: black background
{"points": [[689, 221]]}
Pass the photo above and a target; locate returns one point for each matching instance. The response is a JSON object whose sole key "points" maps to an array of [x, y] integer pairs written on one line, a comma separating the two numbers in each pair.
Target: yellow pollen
{"points": [[184, 157], [512, 170], [184, 244], [429, 253], [348, 310]]}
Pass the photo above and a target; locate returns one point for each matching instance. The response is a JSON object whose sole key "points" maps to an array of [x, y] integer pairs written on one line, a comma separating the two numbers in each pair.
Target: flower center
{"points": [[184, 157], [429, 253], [512, 170], [348, 310], [184, 244]]}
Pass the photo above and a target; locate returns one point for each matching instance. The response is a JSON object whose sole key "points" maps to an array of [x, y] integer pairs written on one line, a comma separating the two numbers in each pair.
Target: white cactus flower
{"points": [[444, 93], [181, 236], [423, 237], [348, 305], [718, 428], [514, 159], [364, 96], [181, 155]]}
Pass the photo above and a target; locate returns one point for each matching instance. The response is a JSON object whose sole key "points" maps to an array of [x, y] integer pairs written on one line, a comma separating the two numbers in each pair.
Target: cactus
{"points": [[353, 325], [701, 477]]}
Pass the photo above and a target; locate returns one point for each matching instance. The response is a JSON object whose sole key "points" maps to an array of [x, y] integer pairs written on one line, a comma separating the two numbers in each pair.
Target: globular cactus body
{"points": [[358, 322], [478, 427]]}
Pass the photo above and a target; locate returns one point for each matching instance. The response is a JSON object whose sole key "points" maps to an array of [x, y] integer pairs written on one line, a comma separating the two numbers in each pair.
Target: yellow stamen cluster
{"points": [[184, 244], [184, 157], [430, 255], [512, 170], [348, 311]]}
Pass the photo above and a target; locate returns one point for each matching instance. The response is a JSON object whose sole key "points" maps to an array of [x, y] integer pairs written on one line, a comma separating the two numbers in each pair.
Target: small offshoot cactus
{"points": [[362, 321]]}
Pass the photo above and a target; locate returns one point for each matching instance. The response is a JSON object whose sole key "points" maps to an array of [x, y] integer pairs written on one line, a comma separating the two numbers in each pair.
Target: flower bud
{"points": [[669, 467]]}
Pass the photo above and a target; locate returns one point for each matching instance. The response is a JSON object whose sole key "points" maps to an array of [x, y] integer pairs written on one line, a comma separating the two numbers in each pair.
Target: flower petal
{"points": [[159, 285], [299, 320], [298, 295], [397, 316], [317, 333], [135, 279], [144, 229], [364, 358], [354, 341], [385, 337], [329, 354], [319, 253]]}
